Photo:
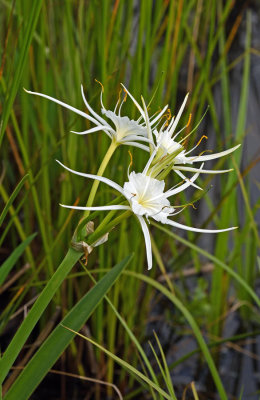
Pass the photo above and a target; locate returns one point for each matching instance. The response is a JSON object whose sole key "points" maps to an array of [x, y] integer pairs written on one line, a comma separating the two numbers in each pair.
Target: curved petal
{"points": [[178, 116], [189, 228], [100, 119], [141, 146], [147, 240], [114, 185], [135, 102], [96, 129], [187, 179], [212, 156], [185, 185], [158, 116], [65, 105], [129, 138], [203, 171], [101, 208]]}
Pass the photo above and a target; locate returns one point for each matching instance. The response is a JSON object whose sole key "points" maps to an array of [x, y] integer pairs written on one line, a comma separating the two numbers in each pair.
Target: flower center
{"points": [[146, 195], [125, 127]]}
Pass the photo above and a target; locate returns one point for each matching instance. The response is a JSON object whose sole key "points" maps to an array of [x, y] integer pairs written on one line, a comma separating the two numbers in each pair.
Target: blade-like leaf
{"points": [[27, 38], [7, 266], [60, 338], [12, 198]]}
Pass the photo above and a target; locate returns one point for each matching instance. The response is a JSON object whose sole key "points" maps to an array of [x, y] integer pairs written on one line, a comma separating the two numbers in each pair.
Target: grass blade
{"points": [[7, 266], [12, 198], [27, 38], [57, 342]]}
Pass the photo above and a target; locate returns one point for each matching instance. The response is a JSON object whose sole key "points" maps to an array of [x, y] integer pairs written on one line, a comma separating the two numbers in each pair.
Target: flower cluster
{"points": [[144, 192]]}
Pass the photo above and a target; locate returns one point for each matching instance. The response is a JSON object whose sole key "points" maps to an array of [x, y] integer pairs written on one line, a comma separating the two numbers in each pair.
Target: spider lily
{"points": [[166, 140], [146, 198], [124, 130]]}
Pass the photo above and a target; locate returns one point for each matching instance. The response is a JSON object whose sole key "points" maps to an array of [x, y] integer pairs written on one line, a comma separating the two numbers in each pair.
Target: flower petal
{"points": [[101, 208], [114, 185], [65, 105], [187, 179], [176, 120], [203, 171], [189, 228], [135, 102], [141, 146], [158, 116], [185, 185], [212, 156], [100, 119], [95, 129], [147, 240]]}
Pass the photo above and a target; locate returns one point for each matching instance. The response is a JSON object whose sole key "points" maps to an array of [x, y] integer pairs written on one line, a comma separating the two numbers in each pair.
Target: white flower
{"points": [[146, 198], [125, 131], [165, 139]]}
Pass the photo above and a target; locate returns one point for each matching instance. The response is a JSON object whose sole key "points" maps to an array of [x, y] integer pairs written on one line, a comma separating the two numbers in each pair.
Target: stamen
{"points": [[204, 136], [131, 159], [101, 94], [100, 85], [118, 101], [189, 121], [205, 151]]}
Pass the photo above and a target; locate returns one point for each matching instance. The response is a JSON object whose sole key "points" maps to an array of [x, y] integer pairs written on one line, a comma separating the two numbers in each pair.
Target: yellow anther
{"points": [[205, 151], [131, 158], [189, 121], [100, 85], [202, 137]]}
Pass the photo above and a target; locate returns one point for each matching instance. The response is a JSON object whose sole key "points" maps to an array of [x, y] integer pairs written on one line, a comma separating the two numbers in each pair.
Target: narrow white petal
{"points": [[135, 102], [100, 119], [203, 171], [141, 146], [213, 156], [96, 129], [149, 162], [114, 185], [187, 179], [176, 120], [101, 208], [158, 116], [148, 126], [185, 185], [65, 105], [189, 228], [147, 240], [136, 137]]}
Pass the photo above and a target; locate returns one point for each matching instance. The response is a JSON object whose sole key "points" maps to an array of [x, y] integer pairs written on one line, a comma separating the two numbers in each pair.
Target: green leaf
{"points": [[12, 198], [27, 38], [7, 266], [36, 312], [60, 338]]}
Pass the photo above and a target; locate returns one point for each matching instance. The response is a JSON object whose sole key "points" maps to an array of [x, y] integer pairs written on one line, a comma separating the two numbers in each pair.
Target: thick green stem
{"points": [[100, 172]]}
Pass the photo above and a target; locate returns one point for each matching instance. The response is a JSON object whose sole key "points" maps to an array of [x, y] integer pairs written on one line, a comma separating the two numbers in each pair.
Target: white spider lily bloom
{"points": [[124, 130], [165, 139], [146, 198]]}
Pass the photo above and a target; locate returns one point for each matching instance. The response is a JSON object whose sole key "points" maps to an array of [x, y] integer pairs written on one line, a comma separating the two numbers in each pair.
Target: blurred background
{"points": [[159, 49]]}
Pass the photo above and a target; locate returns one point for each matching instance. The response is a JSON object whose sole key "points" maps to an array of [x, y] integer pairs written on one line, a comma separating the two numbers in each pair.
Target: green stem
{"points": [[100, 172]]}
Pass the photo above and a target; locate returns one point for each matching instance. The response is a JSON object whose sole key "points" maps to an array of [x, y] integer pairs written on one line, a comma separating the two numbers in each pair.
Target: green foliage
{"points": [[160, 50]]}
